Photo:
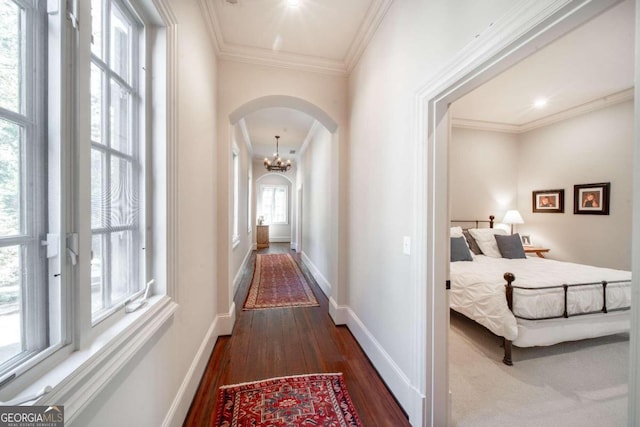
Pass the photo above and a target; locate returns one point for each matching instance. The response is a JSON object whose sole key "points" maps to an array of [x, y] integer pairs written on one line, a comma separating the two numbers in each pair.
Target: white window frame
{"points": [[90, 356], [249, 194], [286, 202], [235, 171], [41, 303], [135, 159]]}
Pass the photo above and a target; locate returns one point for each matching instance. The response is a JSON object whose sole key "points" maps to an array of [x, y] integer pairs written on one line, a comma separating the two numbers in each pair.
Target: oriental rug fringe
{"points": [[297, 401], [278, 282]]}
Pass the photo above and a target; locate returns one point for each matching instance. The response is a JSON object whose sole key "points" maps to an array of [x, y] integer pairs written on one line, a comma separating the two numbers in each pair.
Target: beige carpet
{"points": [[581, 383]]}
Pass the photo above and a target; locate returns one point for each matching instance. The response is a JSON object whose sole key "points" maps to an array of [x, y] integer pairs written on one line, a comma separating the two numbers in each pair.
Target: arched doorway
{"points": [[326, 262]]}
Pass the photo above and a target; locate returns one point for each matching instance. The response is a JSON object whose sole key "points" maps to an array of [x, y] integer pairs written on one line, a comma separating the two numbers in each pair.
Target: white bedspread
{"points": [[478, 290]]}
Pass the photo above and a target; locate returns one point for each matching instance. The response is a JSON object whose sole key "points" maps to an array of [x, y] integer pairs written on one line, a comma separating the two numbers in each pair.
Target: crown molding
{"points": [[484, 125], [281, 59], [374, 16], [587, 107], [367, 30]]}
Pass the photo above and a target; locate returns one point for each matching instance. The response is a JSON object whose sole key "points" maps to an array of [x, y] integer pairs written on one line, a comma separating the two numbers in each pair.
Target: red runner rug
{"points": [[278, 282], [302, 401]]}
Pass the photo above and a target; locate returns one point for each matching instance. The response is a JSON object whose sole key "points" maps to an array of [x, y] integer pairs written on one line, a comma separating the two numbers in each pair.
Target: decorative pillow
{"points": [[486, 241], [455, 232], [459, 250], [471, 242], [510, 246]]}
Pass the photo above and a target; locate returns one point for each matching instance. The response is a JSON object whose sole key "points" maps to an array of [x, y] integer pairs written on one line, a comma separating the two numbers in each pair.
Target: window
{"points": [[29, 295], [236, 183], [72, 202], [275, 207], [116, 158], [249, 194]]}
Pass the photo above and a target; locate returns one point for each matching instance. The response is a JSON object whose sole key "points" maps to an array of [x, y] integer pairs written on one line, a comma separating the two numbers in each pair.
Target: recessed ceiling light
{"points": [[540, 102], [293, 3]]}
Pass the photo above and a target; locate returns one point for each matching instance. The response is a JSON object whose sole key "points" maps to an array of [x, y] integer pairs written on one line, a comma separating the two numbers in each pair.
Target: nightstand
{"points": [[536, 250]]}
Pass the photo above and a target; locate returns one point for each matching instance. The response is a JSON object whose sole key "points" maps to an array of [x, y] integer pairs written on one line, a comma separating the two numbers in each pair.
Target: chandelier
{"points": [[277, 164]]}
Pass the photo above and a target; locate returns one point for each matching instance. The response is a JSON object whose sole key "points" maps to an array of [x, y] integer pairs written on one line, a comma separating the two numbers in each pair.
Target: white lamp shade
{"points": [[513, 217]]}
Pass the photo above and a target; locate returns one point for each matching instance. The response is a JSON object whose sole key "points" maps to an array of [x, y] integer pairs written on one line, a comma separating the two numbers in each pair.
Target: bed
{"points": [[532, 301]]}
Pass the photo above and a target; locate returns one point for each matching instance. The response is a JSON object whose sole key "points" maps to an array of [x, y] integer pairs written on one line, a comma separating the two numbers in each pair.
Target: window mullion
{"points": [[82, 173], [33, 147]]}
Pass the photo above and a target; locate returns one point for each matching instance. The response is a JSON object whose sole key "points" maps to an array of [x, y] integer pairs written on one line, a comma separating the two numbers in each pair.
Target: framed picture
{"points": [[591, 199], [549, 201], [526, 240]]}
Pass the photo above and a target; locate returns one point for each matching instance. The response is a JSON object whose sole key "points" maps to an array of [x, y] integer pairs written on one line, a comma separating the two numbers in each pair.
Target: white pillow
{"points": [[456, 232], [486, 241]]}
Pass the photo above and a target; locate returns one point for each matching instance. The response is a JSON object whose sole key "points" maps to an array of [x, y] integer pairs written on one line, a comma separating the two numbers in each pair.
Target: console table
{"points": [[262, 238]]}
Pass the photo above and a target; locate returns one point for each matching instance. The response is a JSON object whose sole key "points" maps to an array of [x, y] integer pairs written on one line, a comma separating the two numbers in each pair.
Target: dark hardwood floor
{"points": [[292, 341]]}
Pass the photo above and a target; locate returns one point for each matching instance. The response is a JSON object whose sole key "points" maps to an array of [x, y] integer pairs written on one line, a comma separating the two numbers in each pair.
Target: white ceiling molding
{"points": [[372, 20], [482, 125], [294, 61], [260, 56], [212, 24], [587, 107]]}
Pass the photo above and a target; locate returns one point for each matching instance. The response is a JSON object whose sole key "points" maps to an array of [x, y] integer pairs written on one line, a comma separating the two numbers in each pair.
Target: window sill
{"points": [[80, 377]]}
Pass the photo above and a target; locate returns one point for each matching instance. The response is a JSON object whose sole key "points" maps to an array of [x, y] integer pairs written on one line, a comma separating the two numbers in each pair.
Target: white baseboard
{"points": [[280, 239], [254, 246], [339, 313], [181, 403], [322, 281], [238, 277], [294, 246], [411, 400], [225, 322]]}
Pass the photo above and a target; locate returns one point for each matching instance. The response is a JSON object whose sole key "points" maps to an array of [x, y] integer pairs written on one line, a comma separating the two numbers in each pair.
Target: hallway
{"points": [[292, 341]]}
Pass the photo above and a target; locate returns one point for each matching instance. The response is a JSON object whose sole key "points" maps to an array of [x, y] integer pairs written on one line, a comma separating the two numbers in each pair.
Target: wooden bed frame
{"points": [[509, 287]]}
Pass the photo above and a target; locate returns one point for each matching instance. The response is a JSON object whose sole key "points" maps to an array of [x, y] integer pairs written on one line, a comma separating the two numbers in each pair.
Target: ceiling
{"points": [[587, 68], [319, 35], [326, 36], [291, 125]]}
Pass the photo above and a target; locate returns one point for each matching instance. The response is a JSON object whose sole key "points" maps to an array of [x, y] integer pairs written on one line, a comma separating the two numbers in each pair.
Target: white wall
{"points": [[143, 394], [483, 173], [318, 239], [492, 171], [415, 39], [591, 148]]}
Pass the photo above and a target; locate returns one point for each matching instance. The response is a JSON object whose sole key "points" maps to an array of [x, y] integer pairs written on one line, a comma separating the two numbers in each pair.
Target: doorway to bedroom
{"points": [[526, 168], [562, 116]]}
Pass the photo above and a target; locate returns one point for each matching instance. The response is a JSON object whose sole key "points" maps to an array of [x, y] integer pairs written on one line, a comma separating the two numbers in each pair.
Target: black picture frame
{"points": [[591, 199], [548, 201]]}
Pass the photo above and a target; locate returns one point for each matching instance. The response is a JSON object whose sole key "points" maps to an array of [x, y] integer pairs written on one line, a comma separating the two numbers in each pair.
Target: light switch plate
{"points": [[406, 245]]}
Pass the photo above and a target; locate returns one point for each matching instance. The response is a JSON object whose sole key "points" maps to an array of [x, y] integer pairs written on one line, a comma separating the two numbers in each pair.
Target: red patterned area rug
{"points": [[299, 401], [278, 282]]}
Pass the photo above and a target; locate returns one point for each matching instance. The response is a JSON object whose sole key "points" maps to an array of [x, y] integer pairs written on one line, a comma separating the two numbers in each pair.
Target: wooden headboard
{"points": [[475, 222]]}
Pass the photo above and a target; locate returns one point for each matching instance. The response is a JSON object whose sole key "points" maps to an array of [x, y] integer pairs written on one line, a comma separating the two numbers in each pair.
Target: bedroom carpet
{"points": [[582, 383]]}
